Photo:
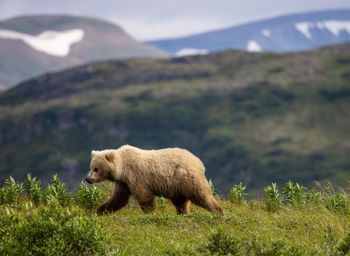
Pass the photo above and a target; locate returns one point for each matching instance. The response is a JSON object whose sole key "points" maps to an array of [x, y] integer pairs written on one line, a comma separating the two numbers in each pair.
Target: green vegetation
{"points": [[11, 192], [272, 198], [87, 196], [57, 227], [33, 189], [252, 117], [237, 194]]}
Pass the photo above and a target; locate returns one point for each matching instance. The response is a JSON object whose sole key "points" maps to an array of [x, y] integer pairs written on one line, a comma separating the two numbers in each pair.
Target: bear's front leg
{"points": [[119, 199], [102, 208]]}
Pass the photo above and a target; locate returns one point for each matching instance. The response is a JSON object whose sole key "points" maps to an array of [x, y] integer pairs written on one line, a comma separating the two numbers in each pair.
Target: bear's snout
{"points": [[87, 180]]}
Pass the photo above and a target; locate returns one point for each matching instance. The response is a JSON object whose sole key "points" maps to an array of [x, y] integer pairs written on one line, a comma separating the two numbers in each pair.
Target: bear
{"points": [[173, 173]]}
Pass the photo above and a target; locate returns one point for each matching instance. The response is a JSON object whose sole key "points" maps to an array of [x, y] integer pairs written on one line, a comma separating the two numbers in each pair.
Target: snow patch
{"points": [[320, 25], [190, 51], [304, 27], [334, 26], [266, 32], [56, 43], [253, 46]]}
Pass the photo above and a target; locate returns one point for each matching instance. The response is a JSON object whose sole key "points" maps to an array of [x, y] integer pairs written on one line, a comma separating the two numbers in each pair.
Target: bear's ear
{"points": [[93, 153], [110, 157]]}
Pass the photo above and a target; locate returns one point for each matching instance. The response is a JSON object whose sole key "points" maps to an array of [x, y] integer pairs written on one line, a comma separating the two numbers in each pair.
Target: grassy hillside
{"points": [[52, 221], [251, 117]]}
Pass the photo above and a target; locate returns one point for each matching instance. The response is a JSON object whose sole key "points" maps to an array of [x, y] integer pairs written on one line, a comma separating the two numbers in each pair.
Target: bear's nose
{"points": [[88, 181]]}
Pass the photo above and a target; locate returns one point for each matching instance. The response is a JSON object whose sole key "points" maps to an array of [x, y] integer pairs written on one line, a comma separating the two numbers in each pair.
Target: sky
{"points": [[159, 19]]}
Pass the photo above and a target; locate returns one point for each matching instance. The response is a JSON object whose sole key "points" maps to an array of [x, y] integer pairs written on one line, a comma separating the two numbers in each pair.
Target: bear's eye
{"points": [[95, 169]]}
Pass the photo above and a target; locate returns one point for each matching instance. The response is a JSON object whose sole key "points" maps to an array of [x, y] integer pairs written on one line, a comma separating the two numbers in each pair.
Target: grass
{"points": [[301, 222]]}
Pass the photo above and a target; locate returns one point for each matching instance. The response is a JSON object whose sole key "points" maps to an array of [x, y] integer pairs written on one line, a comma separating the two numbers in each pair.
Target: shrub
{"points": [[344, 246], [57, 190], [272, 198], [252, 204], [52, 230], [106, 189], [270, 247], [337, 202], [237, 194], [179, 250], [88, 196], [294, 194], [11, 193], [313, 196], [223, 244], [33, 189]]}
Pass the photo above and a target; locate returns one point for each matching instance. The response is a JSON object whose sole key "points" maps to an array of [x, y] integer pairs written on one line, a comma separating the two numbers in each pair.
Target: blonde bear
{"points": [[173, 173]]}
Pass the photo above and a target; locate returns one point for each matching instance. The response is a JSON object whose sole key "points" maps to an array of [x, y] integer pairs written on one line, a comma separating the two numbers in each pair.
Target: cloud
{"points": [[168, 29], [167, 18]]}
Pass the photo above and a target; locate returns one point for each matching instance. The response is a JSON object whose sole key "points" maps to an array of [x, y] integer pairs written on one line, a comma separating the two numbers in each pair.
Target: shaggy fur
{"points": [[173, 173]]}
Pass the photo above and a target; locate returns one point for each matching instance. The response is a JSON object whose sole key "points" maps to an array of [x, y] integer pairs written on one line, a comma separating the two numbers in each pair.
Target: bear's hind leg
{"points": [[119, 199], [147, 207], [146, 201], [182, 205]]}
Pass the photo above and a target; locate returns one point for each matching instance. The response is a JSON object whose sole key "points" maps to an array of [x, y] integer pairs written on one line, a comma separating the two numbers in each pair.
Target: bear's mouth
{"points": [[88, 180]]}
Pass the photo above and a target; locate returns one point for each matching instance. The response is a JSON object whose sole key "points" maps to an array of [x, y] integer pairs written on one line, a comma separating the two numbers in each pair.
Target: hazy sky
{"points": [[154, 19]]}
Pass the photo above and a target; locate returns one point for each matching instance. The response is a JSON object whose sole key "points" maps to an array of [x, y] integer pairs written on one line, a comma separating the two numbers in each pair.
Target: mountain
{"points": [[251, 117], [289, 33], [33, 45]]}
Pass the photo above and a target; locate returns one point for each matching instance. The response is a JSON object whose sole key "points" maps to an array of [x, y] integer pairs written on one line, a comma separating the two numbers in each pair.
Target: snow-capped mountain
{"points": [[282, 34], [33, 45], [55, 43]]}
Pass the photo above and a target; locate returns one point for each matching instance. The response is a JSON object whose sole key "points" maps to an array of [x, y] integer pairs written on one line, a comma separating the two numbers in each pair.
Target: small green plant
{"points": [[237, 195], [33, 189], [294, 194], [273, 198], [252, 204], [213, 190], [161, 201], [313, 196], [57, 190], [331, 239], [270, 247], [178, 250], [106, 189], [87, 196], [11, 193], [344, 246], [222, 244], [337, 202]]}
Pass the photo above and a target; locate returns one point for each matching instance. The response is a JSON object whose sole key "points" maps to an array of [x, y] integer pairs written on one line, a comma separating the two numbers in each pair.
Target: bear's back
{"points": [[182, 157], [160, 159], [165, 172]]}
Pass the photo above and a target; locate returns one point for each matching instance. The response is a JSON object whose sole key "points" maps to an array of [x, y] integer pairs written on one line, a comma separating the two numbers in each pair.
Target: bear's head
{"points": [[102, 166]]}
